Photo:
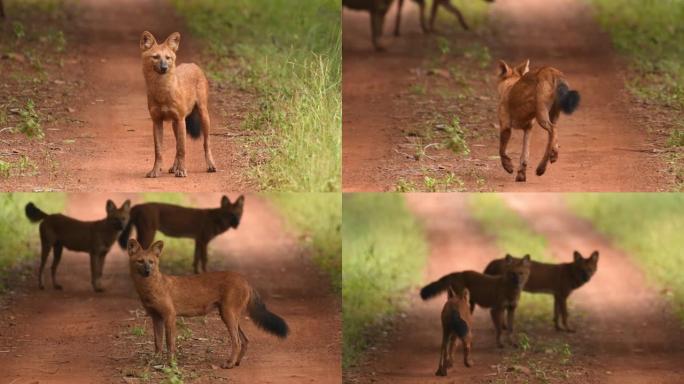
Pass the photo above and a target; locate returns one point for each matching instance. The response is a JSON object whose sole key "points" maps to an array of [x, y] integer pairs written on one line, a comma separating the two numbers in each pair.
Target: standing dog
{"points": [[500, 293], [95, 237], [165, 297], [377, 9], [179, 94], [557, 279], [446, 4], [456, 324], [173, 220], [524, 96]]}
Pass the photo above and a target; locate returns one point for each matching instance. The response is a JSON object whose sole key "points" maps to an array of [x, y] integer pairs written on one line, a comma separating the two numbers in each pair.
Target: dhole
{"points": [[557, 279], [179, 94], [500, 293], [199, 224], [165, 297], [433, 14], [58, 231], [525, 96], [456, 324]]}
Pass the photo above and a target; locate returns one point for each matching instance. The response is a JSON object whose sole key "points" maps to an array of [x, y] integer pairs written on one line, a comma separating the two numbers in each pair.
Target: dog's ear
{"points": [[147, 41], [173, 41], [526, 260], [594, 257], [126, 205], [523, 67], [111, 207], [576, 256], [133, 246], [240, 201], [465, 295], [225, 201], [504, 69], [508, 259], [157, 247]]}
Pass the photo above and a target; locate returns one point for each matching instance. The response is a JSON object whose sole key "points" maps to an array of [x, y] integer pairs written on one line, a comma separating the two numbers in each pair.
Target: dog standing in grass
{"points": [[165, 297], [456, 325], [525, 96], [179, 94], [58, 231]]}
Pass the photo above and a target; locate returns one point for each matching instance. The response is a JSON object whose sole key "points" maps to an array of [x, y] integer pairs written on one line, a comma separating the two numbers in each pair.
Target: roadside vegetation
{"points": [[19, 238], [649, 227], [649, 34], [384, 253], [317, 217], [288, 53]]}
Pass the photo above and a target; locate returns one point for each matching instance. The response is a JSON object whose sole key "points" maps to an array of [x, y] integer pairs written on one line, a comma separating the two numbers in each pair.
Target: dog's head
{"points": [[160, 58], [585, 267], [118, 216], [231, 213], [144, 262], [508, 76], [517, 271]]}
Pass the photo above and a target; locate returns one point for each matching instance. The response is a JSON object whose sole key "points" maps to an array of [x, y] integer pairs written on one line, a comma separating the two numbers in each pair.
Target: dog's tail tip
{"points": [[34, 213], [568, 100], [431, 290], [265, 319]]}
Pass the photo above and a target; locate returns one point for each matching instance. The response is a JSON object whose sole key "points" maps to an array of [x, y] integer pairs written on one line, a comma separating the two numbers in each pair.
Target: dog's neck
{"points": [[161, 84]]}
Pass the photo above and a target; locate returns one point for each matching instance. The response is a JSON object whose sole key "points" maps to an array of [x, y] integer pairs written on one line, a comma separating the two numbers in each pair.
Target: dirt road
{"points": [[77, 336], [602, 147], [625, 334], [110, 129]]}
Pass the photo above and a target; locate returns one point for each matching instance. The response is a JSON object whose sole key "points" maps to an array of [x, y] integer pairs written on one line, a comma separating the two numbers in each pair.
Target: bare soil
{"points": [[79, 336], [625, 331]]}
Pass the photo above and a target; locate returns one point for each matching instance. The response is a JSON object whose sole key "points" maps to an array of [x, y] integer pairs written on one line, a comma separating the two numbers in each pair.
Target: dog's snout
{"points": [[163, 66]]}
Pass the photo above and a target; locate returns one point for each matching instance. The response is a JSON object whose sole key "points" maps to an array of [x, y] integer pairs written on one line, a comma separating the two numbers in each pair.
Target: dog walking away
{"points": [[456, 325], [179, 94], [446, 4], [524, 96], [58, 231], [378, 10], [498, 293], [557, 279], [165, 297], [202, 225]]}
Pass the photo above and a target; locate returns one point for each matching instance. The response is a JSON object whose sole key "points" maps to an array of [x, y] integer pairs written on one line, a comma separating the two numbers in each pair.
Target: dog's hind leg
{"points": [[158, 131], [505, 137], [204, 115], [397, 23], [178, 167], [232, 325], [56, 257], [451, 8], [553, 116], [546, 124], [443, 355], [467, 343], [377, 22], [525, 155], [245, 342], [44, 252]]}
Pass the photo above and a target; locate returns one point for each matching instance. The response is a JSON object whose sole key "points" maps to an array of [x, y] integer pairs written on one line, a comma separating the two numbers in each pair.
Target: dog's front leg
{"points": [[170, 327], [497, 319], [511, 317], [97, 260], [564, 313], [179, 163], [158, 131], [158, 327], [377, 23], [397, 24]]}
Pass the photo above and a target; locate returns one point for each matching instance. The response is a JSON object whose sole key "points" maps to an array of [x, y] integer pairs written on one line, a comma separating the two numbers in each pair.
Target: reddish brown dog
{"points": [[456, 325]]}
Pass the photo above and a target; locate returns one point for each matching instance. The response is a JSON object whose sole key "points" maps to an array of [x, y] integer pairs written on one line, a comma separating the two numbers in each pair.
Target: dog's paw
{"points": [[227, 365], [441, 372], [41, 287], [520, 178], [541, 170], [57, 287], [553, 157], [507, 164], [211, 168], [468, 363], [180, 172], [154, 173]]}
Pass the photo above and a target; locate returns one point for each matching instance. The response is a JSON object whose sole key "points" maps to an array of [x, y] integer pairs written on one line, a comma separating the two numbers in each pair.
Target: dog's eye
{"points": [[141, 262], [168, 57], [156, 57]]}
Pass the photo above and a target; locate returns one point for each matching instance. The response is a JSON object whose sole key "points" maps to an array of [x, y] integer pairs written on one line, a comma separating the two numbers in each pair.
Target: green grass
{"points": [[19, 239], [512, 234], [649, 227], [649, 33], [287, 52], [178, 253], [384, 253], [318, 217]]}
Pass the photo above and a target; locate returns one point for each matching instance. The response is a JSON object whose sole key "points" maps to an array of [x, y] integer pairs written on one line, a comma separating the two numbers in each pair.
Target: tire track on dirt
{"points": [[628, 327], [78, 336], [114, 146]]}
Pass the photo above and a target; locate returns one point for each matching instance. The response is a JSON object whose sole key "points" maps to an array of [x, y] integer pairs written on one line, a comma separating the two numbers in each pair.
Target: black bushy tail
{"points": [[193, 123], [458, 325], [265, 319], [567, 100], [33, 213], [435, 288]]}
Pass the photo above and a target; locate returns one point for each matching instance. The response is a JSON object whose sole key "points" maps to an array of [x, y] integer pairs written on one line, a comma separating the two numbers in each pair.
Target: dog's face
{"points": [[144, 262], [509, 76], [585, 267], [231, 213], [516, 270], [118, 216], [159, 57]]}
